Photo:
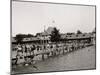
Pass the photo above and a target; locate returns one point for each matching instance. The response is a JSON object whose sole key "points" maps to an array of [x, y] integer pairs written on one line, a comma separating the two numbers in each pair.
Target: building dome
{"points": [[49, 30]]}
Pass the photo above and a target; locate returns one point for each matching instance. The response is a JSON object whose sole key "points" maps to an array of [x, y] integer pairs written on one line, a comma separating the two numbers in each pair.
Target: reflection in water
{"points": [[80, 59]]}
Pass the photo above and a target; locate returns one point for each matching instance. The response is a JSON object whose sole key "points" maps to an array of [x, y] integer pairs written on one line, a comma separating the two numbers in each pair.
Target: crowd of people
{"points": [[25, 53]]}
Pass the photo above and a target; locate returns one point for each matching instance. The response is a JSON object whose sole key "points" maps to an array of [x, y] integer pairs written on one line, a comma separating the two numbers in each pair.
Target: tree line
{"points": [[55, 36]]}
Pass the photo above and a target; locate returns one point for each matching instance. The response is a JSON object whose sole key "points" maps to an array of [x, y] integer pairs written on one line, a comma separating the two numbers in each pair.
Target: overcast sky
{"points": [[30, 17]]}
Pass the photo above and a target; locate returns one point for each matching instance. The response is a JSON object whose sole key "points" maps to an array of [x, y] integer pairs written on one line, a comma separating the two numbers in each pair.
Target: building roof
{"points": [[49, 30], [76, 36], [30, 39]]}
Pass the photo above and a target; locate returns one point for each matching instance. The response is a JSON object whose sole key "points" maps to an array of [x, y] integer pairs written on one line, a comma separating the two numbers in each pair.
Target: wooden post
{"points": [[42, 56], [48, 55], [52, 53], [63, 50]]}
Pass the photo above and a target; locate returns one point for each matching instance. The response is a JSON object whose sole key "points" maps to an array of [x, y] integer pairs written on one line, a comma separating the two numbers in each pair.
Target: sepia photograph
{"points": [[52, 37]]}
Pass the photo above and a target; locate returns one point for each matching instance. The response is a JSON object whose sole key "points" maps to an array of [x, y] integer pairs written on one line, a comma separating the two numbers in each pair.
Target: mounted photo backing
{"points": [[52, 37]]}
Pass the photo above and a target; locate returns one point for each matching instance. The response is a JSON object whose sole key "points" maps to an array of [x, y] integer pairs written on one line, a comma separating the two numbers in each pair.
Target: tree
{"points": [[79, 32], [19, 38], [29, 35], [55, 35]]}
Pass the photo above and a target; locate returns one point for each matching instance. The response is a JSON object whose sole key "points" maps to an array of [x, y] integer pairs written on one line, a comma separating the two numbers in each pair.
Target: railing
{"points": [[22, 57]]}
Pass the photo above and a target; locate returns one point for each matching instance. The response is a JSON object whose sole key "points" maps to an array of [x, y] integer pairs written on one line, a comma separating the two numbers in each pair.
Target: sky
{"points": [[32, 17]]}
